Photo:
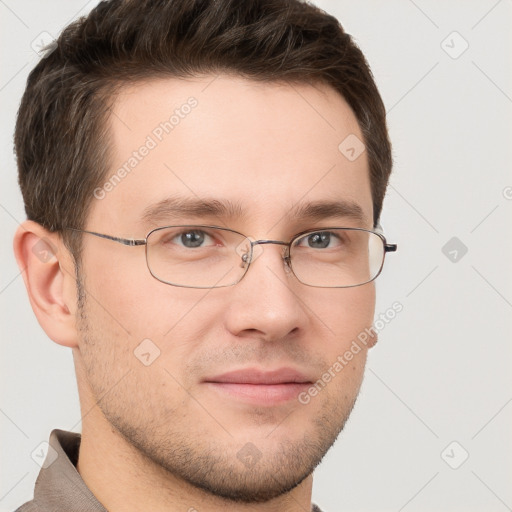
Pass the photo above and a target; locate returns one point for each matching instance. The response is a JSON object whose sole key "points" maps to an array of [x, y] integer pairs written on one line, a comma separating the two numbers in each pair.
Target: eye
{"points": [[320, 240], [192, 239]]}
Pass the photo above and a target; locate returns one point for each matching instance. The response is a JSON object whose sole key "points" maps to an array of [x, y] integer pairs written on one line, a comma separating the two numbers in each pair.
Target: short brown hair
{"points": [[61, 135]]}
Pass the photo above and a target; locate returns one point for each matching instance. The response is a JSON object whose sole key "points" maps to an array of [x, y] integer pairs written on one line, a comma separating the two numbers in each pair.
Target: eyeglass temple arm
{"points": [[387, 247], [124, 241]]}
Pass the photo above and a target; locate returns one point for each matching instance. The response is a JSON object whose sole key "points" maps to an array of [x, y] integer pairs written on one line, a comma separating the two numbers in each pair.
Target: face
{"points": [[212, 385]]}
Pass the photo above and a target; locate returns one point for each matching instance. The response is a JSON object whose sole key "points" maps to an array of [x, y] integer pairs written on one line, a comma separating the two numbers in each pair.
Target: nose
{"points": [[266, 303]]}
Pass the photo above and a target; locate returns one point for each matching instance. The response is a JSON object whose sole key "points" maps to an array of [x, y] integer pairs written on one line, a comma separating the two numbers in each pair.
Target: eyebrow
{"points": [[179, 207], [319, 210]]}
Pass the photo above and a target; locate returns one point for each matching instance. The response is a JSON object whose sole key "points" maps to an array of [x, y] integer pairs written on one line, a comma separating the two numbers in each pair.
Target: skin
{"points": [[166, 439]]}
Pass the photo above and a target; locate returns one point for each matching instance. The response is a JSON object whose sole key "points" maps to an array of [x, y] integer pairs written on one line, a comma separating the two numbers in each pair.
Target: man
{"points": [[205, 181]]}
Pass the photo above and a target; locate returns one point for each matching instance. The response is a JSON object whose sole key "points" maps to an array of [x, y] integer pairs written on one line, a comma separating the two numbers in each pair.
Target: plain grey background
{"points": [[431, 428]]}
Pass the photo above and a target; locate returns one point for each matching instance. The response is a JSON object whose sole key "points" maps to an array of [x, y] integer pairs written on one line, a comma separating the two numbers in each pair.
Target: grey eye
{"points": [[192, 238], [319, 240]]}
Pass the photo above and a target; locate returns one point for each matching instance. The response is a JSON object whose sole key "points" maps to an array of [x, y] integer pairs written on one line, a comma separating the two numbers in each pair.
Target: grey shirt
{"points": [[59, 487]]}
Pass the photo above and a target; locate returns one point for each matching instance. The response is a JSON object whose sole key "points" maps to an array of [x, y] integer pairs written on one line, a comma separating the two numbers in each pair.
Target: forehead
{"points": [[267, 147]]}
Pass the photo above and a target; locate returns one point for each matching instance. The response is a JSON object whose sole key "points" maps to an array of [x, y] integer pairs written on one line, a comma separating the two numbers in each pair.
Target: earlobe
{"points": [[47, 268]]}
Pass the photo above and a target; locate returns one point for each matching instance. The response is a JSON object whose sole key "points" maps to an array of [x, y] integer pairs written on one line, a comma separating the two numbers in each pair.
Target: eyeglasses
{"points": [[195, 256]]}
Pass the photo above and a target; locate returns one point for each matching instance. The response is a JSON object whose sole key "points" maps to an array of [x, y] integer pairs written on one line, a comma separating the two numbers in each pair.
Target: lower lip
{"points": [[263, 394]]}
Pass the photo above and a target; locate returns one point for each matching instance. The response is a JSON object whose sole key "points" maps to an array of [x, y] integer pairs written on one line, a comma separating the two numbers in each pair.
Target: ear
{"points": [[48, 271]]}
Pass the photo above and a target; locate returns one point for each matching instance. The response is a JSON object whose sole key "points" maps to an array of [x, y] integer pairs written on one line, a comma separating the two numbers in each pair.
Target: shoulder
{"points": [[29, 506]]}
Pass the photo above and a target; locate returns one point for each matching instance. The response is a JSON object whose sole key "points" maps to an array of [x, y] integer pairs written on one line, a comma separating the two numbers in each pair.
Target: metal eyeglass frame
{"points": [[287, 259]]}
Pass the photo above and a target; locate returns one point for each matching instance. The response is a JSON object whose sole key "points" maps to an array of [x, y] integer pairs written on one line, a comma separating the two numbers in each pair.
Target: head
{"points": [[240, 106]]}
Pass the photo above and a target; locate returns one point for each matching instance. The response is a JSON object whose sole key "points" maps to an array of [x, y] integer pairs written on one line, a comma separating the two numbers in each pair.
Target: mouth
{"points": [[259, 387]]}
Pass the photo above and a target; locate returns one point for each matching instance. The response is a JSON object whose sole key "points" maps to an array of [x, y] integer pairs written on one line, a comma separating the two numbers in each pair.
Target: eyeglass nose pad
{"points": [[244, 251], [245, 260], [287, 261]]}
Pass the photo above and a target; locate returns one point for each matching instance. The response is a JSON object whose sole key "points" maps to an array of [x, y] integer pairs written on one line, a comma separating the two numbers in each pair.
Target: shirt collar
{"points": [[59, 486]]}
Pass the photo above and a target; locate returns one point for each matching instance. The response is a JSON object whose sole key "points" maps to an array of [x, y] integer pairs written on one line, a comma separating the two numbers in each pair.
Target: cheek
{"points": [[128, 297], [345, 312], [360, 307], [128, 306]]}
